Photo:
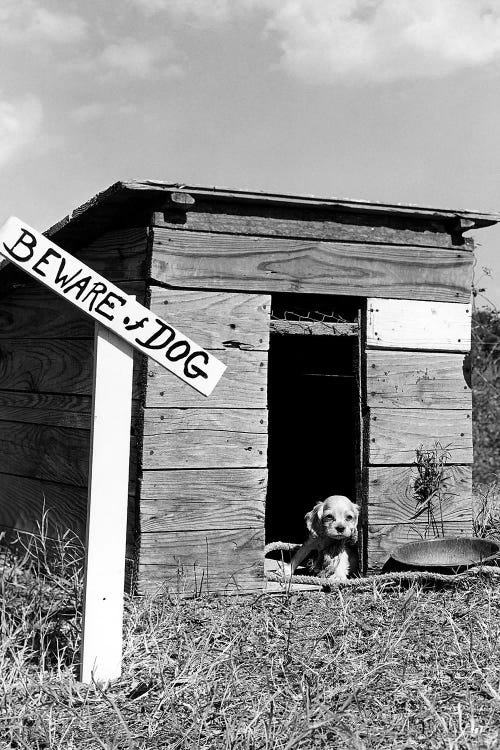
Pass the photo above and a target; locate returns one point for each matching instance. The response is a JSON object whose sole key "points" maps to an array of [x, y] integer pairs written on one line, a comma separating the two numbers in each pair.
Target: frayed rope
{"points": [[411, 575]]}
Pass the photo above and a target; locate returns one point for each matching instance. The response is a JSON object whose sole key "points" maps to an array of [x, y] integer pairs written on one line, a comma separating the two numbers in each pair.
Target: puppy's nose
{"points": [[340, 528]]}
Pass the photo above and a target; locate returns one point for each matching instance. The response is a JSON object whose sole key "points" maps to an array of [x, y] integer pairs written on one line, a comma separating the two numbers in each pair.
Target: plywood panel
{"points": [[216, 320], [384, 539], [41, 408], [120, 255], [319, 224], [394, 434], [416, 324], [204, 438], [216, 560], [390, 494], [37, 451], [243, 385], [25, 500], [51, 366], [216, 261], [417, 380], [32, 311]]}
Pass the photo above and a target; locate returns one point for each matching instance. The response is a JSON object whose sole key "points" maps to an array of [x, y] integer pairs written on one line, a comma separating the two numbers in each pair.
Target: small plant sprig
{"points": [[430, 486]]}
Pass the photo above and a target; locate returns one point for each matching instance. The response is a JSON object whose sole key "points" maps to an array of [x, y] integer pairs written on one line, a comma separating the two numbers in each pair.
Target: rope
{"points": [[413, 575]]}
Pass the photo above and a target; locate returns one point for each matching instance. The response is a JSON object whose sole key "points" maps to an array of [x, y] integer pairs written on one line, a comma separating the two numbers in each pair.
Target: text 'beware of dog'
{"points": [[107, 304]]}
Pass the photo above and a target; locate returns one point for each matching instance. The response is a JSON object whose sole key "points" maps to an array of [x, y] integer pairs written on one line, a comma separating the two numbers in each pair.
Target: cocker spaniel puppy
{"points": [[333, 533]]}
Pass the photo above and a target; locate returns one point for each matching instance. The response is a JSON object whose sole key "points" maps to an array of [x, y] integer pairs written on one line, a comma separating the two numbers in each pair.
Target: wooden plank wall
{"points": [[46, 361], [204, 460], [417, 393]]}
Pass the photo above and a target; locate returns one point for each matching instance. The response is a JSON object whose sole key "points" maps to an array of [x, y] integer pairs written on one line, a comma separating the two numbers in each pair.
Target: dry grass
{"points": [[392, 667]]}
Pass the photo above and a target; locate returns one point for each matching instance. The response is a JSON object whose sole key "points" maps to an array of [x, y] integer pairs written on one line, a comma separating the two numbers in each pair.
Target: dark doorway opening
{"points": [[314, 439]]}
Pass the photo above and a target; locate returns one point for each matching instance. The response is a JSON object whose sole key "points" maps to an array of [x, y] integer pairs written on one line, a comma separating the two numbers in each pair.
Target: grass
{"points": [[389, 667]]}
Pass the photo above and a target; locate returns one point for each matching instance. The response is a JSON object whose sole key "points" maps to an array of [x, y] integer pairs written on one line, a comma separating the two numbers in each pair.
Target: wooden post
{"points": [[107, 508]]}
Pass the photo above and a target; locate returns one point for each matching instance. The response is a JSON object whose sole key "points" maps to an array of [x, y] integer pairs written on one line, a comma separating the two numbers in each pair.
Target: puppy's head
{"points": [[335, 518]]}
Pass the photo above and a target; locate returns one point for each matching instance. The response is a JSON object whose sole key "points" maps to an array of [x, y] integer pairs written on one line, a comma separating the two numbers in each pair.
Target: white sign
{"points": [[107, 304]]}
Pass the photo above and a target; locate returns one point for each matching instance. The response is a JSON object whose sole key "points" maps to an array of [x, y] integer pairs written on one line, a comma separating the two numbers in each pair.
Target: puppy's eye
{"points": [[349, 517], [327, 516]]}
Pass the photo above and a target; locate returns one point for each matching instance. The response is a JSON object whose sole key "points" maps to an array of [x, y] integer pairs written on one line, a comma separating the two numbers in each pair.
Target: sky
{"points": [[383, 100]]}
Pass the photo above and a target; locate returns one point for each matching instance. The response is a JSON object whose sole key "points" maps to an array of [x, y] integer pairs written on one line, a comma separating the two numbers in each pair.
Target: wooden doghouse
{"points": [[345, 328]]}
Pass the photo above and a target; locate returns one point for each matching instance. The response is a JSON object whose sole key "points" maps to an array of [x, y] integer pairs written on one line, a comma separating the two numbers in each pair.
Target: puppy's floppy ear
{"points": [[313, 519], [355, 510]]}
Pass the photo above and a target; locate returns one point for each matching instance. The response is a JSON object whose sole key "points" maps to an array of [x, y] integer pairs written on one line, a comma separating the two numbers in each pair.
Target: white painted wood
{"points": [[108, 305], [416, 324], [107, 508]]}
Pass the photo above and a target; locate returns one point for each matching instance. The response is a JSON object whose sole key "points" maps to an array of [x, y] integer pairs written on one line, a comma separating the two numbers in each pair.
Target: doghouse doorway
{"points": [[314, 431]]}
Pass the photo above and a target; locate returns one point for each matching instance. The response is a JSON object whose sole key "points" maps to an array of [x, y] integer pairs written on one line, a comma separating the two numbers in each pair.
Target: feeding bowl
{"points": [[446, 555]]}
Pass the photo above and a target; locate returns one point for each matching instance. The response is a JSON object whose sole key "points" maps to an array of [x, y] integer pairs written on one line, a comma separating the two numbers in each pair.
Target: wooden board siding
{"points": [[46, 353], [243, 385], [216, 320], [418, 394], [394, 434], [204, 460], [262, 264], [414, 380], [204, 438], [412, 324], [384, 539], [229, 499], [202, 560], [390, 499], [302, 223]]}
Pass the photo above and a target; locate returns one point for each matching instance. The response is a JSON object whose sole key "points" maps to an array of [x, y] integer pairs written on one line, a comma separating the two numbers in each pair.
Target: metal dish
{"points": [[450, 554]]}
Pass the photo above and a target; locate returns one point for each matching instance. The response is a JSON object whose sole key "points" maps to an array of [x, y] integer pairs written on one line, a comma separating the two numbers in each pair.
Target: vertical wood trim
{"points": [[107, 508]]}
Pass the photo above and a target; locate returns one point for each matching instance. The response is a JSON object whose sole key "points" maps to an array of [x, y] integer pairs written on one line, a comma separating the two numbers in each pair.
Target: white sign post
{"points": [[121, 325]]}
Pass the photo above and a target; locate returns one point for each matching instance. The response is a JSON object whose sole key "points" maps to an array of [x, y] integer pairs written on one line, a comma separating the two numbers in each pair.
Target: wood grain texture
{"points": [[191, 514], [32, 311], [53, 453], [390, 495], [215, 261], [216, 320], [220, 485], [416, 324], [215, 560], [47, 409], [119, 255], [204, 438], [25, 500], [417, 380], [298, 222], [244, 385], [394, 434], [383, 539], [56, 366]]}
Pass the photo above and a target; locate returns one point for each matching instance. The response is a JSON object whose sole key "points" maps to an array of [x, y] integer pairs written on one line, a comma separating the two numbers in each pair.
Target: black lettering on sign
{"points": [[184, 347], [27, 241], [82, 285], [195, 371], [162, 327], [44, 261], [109, 302], [97, 288], [63, 280]]}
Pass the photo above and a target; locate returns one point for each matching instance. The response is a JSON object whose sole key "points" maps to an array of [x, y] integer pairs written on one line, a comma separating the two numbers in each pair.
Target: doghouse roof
{"points": [[132, 197]]}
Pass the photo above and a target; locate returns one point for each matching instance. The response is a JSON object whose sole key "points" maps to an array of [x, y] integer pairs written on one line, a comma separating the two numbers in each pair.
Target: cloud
{"points": [[28, 22], [384, 40], [141, 59], [20, 125], [328, 41]]}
